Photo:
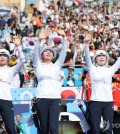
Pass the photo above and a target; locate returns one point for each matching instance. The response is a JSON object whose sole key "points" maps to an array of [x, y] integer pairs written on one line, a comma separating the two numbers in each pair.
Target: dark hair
{"points": [[81, 37], [13, 55], [16, 7], [34, 99], [20, 115], [39, 13], [31, 4]]}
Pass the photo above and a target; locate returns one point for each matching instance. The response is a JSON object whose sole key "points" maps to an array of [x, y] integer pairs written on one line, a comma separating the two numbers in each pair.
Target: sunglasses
{"points": [[3, 55]]}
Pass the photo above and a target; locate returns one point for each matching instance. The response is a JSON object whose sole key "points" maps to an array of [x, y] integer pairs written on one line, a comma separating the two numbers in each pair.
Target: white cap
{"points": [[100, 52], [6, 52], [111, 26], [48, 48]]}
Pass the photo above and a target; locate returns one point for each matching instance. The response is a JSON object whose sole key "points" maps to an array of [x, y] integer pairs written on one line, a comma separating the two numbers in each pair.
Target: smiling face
{"points": [[3, 60], [101, 60], [70, 71], [47, 55]]}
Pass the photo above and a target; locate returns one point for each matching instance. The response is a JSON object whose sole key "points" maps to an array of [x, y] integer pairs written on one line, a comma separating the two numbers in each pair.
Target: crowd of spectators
{"points": [[76, 18]]}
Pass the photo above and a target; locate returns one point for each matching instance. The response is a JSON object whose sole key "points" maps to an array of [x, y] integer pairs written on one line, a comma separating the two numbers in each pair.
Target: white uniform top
{"points": [[6, 76], [16, 81], [49, 84], [101, 79]]}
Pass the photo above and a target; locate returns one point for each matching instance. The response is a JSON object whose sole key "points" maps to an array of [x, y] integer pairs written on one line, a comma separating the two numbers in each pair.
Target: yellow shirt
{"points": [[12, 63]]}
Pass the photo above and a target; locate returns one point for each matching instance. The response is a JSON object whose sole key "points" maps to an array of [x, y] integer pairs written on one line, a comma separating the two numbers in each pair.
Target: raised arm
{"points": [[62, 55], [86, 50], [116, 66], [36, 59], [43, 35], [19, 65]]}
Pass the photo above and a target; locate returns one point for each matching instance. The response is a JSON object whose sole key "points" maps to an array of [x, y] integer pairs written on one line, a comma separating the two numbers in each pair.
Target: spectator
{"points": [[76, 18], [33, 8], [13, 61], [70, 77], [26, 20], [78, 59], [21, 125], [69, 57]]}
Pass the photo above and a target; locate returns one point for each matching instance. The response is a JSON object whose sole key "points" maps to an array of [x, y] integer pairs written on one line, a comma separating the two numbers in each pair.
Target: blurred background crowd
{"points": [[76, 18]]}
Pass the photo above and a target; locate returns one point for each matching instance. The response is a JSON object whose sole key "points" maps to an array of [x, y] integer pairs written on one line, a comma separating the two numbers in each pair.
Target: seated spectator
{"points": [[70, 77], [24, 32]]}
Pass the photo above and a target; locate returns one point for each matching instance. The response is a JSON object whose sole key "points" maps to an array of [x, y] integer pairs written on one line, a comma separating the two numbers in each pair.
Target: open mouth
{"points": [[101, 60], [1, 60]]}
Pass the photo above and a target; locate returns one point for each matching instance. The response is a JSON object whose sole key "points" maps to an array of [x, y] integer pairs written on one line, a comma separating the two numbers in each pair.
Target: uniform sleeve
{"points": [[36, 58], [20, 64], [87, 56], [116, 66], [62, 55]]}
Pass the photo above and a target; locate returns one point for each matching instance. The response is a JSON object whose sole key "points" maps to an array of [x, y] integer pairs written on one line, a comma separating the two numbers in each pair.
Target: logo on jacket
{"points": [[105, 125]]}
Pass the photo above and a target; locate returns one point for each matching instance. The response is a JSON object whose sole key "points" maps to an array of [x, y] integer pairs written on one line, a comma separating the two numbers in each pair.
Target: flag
{"points": [[57, 39], [78, 2], [69, 92], [28, 43]]}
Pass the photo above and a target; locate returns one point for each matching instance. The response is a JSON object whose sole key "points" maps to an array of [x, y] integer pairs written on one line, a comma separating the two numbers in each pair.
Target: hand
{"points": [[44, 34], [61, 32], [4, 40], [17, 40], [88, 37], [105, 39]]}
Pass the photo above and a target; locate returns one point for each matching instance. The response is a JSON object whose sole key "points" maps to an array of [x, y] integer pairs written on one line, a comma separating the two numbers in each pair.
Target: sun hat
{"points": [[5, 52], [48, 48], [100, 52]]}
